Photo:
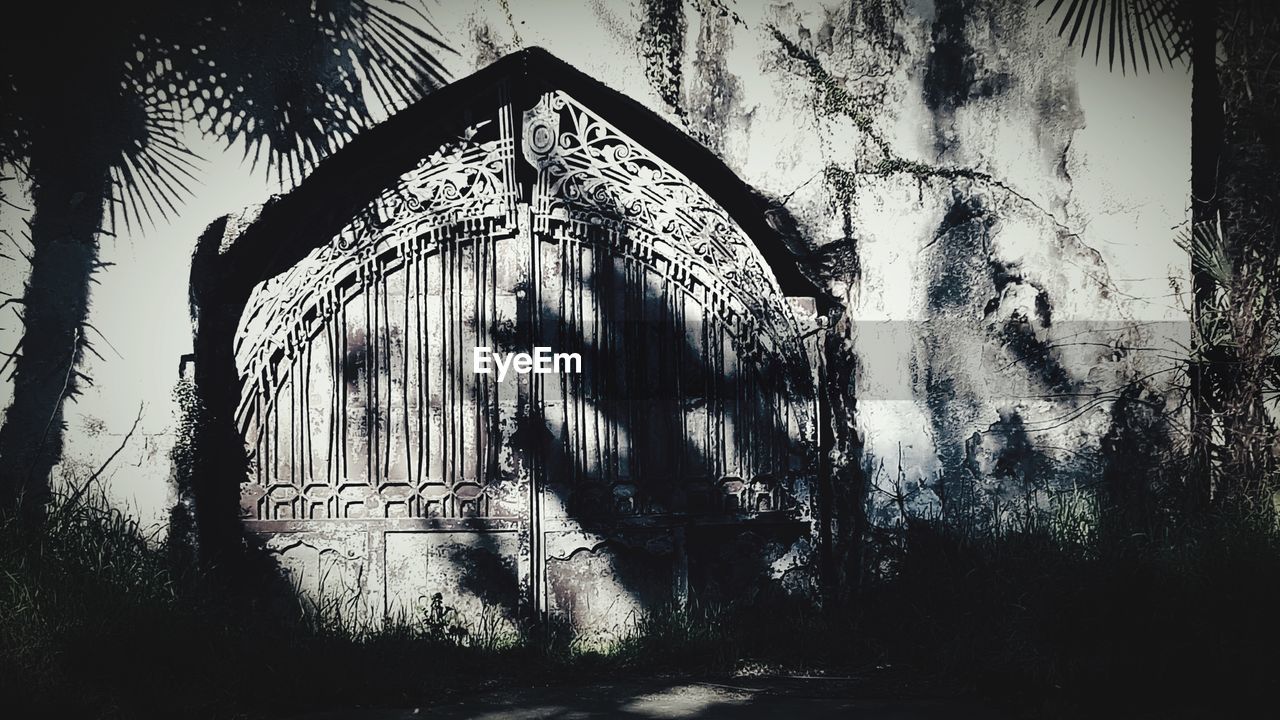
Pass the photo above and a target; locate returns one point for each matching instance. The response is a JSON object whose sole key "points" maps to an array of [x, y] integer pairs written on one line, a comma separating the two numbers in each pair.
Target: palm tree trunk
{"points": [[69, 193], [1207, 128]]}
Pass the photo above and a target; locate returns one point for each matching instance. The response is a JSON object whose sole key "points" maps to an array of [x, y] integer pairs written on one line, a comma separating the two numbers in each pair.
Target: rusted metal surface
{"points": [[385, 470]]}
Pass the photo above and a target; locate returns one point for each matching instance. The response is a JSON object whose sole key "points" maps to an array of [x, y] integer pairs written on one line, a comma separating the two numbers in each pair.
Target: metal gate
{"points": [[385, 470]]}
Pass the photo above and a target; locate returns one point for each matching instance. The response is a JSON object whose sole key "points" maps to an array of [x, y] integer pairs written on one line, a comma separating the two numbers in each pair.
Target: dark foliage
{"points": [[93, 99], [95, 621]]}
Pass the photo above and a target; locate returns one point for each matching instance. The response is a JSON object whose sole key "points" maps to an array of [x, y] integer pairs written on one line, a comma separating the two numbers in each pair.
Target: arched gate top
{"points": [[237, 256]]}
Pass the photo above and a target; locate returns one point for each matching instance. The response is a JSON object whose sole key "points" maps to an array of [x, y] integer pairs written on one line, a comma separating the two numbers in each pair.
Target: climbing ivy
{"points": [[833, 98]]}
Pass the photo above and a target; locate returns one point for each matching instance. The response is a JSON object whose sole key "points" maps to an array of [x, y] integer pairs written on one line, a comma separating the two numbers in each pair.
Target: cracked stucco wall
{"points": [[996, 214]]}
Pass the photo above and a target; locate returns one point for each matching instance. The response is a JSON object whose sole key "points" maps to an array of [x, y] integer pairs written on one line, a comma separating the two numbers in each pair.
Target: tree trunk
{"points": [[1207, 127], [70, 184]]}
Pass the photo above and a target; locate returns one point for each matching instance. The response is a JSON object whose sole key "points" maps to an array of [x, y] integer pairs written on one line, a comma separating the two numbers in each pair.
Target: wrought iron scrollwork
{"points": [[593, 184], [594, 176]]}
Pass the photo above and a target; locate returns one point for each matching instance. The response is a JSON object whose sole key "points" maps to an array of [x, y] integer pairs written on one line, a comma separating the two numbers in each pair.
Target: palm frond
{"points": [[153, 171], [1131, 30], [289, 78], [1240, 287], [1207, 249]]}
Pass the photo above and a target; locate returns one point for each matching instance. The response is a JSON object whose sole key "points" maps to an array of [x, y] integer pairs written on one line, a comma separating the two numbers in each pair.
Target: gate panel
{"points": [[370, 437], [696, 405]]}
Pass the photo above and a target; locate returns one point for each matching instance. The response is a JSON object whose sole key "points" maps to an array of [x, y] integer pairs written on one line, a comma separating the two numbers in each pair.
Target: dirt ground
{"points": [[747, 699]]}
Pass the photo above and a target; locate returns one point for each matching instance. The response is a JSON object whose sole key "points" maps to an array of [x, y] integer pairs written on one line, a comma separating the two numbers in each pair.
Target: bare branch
{"points": [[80, 491]]}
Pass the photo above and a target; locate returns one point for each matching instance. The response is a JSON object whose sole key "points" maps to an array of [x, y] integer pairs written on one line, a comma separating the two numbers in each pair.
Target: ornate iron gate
{"points": [[383, 470]]}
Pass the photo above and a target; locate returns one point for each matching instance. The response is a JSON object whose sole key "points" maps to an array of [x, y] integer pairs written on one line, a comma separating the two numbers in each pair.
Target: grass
{"points": [[96, 622], [1132, 624], [1052, 619]]}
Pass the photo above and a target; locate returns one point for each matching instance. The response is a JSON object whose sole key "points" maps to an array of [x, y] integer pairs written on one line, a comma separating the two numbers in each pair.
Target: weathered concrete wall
{"points": [[995, 214], [975, 194]]}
